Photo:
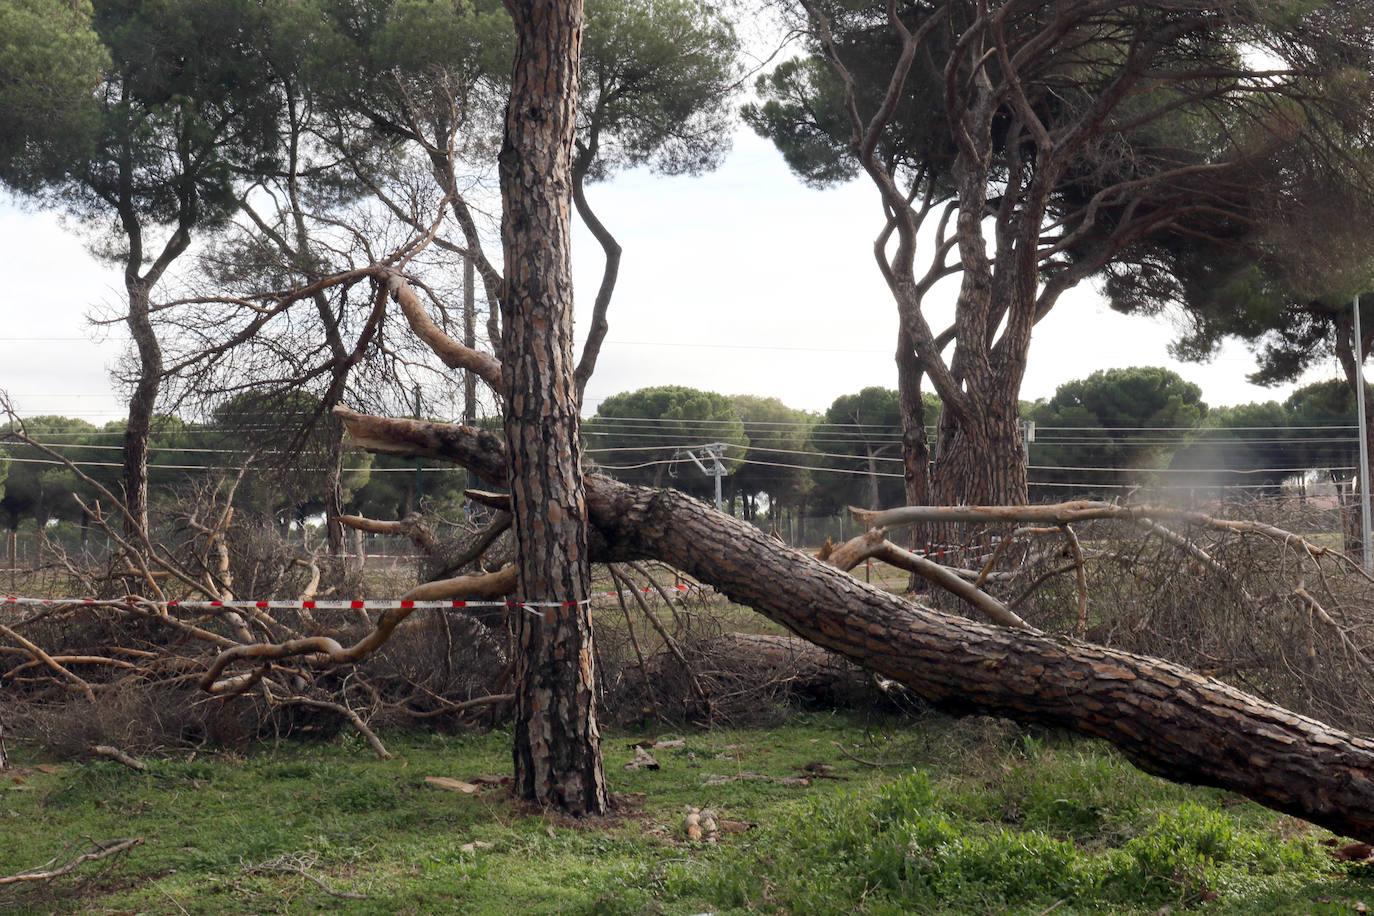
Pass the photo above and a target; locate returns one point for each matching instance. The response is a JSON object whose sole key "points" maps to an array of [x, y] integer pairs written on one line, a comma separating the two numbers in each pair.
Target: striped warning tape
{"points": [[356, 604]]}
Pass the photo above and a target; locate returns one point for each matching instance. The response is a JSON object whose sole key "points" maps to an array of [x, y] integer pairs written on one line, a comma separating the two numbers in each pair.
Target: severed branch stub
{"points": [[115, 754]]}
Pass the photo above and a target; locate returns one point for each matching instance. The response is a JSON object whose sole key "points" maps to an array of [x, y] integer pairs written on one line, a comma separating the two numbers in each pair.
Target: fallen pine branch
{"points": [[115, 754], [328, 650], [298, 865], [102, 851]]}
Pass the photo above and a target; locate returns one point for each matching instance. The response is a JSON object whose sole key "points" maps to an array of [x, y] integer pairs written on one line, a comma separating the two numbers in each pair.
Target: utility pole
{"points": [[1027, 437], [713, 452], [1364, 438]]}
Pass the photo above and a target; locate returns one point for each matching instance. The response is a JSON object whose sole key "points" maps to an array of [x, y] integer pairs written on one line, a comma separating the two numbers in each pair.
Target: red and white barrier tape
{"points": [[355, 604]]}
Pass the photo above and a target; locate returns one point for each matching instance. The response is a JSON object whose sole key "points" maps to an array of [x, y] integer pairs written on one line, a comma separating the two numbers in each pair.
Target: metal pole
{"points": [[1364, 439], [419, 462]]}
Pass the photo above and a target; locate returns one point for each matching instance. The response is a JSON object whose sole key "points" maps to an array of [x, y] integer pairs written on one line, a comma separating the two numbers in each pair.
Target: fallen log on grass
{"points": [[1165, 719]]}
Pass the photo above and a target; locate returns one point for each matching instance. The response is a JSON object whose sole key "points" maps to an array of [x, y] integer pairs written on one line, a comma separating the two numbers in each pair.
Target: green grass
{"points": [[970, 816]]}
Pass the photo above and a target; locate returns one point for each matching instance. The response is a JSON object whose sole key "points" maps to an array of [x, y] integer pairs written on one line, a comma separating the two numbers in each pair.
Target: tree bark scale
{"points": [[557, 751]]}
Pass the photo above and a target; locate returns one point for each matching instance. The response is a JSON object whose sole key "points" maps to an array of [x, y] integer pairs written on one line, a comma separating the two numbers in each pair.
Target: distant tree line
{"points": [[1145, 426], [1096, 436], [287, 482]]}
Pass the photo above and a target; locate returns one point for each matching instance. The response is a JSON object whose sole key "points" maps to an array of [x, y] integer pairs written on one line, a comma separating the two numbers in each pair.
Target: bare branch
{"points": [[329, 651], [102, 851], [115, 754]]}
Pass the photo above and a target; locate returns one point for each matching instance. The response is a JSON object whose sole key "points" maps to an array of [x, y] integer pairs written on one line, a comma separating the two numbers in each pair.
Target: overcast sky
{"points": [[742, 281]]}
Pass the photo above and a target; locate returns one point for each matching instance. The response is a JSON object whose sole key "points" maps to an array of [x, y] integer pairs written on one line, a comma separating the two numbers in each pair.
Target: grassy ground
{"points": [[971, 816]]}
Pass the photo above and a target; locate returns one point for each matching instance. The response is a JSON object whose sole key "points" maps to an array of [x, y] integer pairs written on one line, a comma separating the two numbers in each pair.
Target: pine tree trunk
{"points": [[469, 339], [915, 442], [333, 495], [141, 405], [980, 463], [557, 745], [1167, 720], [915, 446]]}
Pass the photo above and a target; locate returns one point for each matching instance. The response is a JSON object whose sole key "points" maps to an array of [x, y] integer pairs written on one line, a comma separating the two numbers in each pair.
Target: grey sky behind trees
{"points": [[742, 281]]}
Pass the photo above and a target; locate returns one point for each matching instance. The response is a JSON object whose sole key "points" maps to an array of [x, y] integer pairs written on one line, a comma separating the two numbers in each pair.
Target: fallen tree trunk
{"points": [[1165, 719]]}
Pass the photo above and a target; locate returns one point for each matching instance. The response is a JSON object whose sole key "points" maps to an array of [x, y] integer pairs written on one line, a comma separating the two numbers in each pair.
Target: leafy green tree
{"points": [[395, 487], [774, 463], [182, 104], [1107, 429], [37, 487], [1043, 143], [1330, 441], [291, 474], [1247, 450], [50, 61], [640, 436], [859, 444]]}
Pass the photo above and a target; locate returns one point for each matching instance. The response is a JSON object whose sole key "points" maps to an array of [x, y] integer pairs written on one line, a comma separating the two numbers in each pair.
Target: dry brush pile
{"points": [[1251, 593]]}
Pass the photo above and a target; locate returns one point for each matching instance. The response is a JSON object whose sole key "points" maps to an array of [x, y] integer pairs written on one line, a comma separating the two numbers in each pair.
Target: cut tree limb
{"points": [[115, 754], [490, 585], [1165, 719], [48, 660], [46, 873], [873, 544], [501, 582], [353, 718], [454, 354], [1085, 510]]}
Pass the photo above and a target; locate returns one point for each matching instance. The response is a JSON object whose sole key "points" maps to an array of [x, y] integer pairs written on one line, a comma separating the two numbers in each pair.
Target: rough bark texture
{"points": [[1165, 719], [557, 746], [981, 460], [469, 340]]}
